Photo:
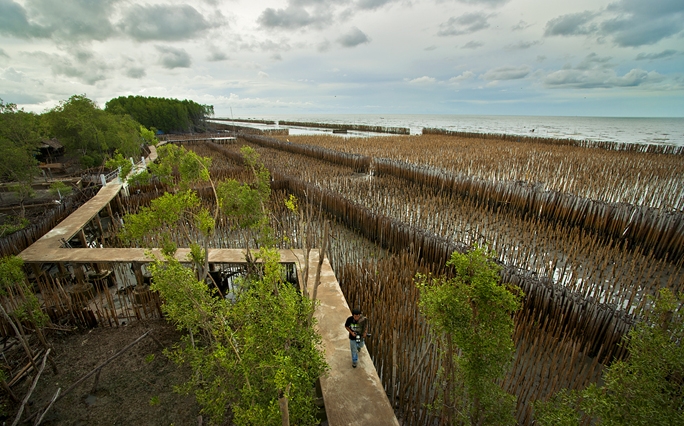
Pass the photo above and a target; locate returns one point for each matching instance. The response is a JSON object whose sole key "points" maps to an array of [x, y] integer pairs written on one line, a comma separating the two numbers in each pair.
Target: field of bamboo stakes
{"points": [[582, 325], [594, 316], [642, 179], [582, 288]]}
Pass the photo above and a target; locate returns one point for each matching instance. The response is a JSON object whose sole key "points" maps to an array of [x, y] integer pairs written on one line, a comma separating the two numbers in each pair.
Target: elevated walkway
{"points": [[353, 396]]}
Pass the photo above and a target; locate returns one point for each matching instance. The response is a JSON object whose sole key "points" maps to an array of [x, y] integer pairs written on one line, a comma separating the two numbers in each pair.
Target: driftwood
{"points": [[93, 371], [52, 401], [30, 392], [25, 370]]}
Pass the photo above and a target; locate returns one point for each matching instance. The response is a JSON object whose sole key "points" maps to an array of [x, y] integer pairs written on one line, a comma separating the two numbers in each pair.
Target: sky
{"points": [[615, 58]]}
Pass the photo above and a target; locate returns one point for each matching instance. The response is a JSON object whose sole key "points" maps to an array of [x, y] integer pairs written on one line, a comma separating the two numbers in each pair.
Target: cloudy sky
{"points": [[288, 57]]}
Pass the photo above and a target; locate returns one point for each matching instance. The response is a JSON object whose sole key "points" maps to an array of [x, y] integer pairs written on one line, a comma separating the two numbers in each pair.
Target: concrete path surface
{"points": [[353, 396]]}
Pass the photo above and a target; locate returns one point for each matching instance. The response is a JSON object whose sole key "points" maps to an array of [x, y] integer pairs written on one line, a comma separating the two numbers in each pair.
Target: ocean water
{"points": [[665, 131]]}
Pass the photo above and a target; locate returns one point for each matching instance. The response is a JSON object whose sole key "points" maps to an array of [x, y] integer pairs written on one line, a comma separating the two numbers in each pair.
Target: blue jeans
{"points": [[355, 348]]}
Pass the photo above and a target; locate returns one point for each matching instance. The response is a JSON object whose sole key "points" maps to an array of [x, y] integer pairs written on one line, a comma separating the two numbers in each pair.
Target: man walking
{"points": [[356, 325]]}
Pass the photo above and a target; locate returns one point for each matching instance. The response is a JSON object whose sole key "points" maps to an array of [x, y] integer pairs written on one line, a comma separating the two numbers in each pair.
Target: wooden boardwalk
{"points": [[352, 396]]}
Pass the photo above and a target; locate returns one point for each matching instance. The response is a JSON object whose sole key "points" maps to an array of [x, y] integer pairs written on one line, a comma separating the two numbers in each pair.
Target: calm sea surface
{"points": [[667, 131]]}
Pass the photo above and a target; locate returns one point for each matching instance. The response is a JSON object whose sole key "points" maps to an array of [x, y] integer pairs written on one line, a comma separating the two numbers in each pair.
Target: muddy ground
{"points": [[134, 389]]}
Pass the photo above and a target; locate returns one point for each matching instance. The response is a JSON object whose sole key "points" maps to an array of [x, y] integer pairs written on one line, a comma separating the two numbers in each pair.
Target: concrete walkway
{"points": [[353, 396]]}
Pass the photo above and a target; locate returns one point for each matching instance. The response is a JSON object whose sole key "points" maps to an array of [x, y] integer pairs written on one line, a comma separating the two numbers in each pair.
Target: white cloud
{"points": [[467, 75], [423, 80]]}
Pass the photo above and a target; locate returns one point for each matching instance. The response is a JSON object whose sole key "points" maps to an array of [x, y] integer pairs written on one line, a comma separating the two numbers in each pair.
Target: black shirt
{"points": [[357, 327]]}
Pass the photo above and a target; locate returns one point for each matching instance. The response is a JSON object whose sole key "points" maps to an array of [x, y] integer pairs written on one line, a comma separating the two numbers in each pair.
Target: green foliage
{"points": [[249, 353], [148, 136], [244, 204], [59, 189], [149, 358], [154, 401], [142, 178], [168, 216], [190, 167], [472, 315], [20, 136], [292, 204], [120, 161], [13, 224], [13, 284], [167, 115], [645, 389], [23, 191], [84, 128]]}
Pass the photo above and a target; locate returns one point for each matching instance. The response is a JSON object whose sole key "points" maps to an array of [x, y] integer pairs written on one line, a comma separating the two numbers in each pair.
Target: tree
{"points": [[20, 136], [167, 115], [20, 306], [257, 355], [645, 389], [471, 314], [85, 129]]}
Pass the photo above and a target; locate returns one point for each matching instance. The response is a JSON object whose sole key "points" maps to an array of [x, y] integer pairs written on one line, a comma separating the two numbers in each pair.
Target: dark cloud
{"points": [[664, 54], [172, 57], [464, 24], [216, 56], [136, 72], [372, 4], [507, 73], [572, 24], [163, 22], [489, 3], [3, 53], [82, 66], [74, 20], [629, 23], [292, 18], [472, 44], [353, 38], [522, 45], [600, 78], [14, 22], [640, 23]]}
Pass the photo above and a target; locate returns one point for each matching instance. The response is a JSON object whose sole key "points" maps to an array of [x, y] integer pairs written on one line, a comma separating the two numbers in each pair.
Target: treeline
{"points": [[88, 134], [166, 115]]}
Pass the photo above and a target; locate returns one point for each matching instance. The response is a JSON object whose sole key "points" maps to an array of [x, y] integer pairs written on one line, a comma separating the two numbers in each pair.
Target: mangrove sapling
{"points": [[258, 355], [472, 315], [21, 305], [647, 388]]}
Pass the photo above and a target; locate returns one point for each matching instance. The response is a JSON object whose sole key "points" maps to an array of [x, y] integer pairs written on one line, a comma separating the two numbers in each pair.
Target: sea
{"points": [[660, 131]]}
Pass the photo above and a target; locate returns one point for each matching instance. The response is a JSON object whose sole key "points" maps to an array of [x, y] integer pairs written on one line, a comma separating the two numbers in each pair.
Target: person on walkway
{"points": [[357, 327]]}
